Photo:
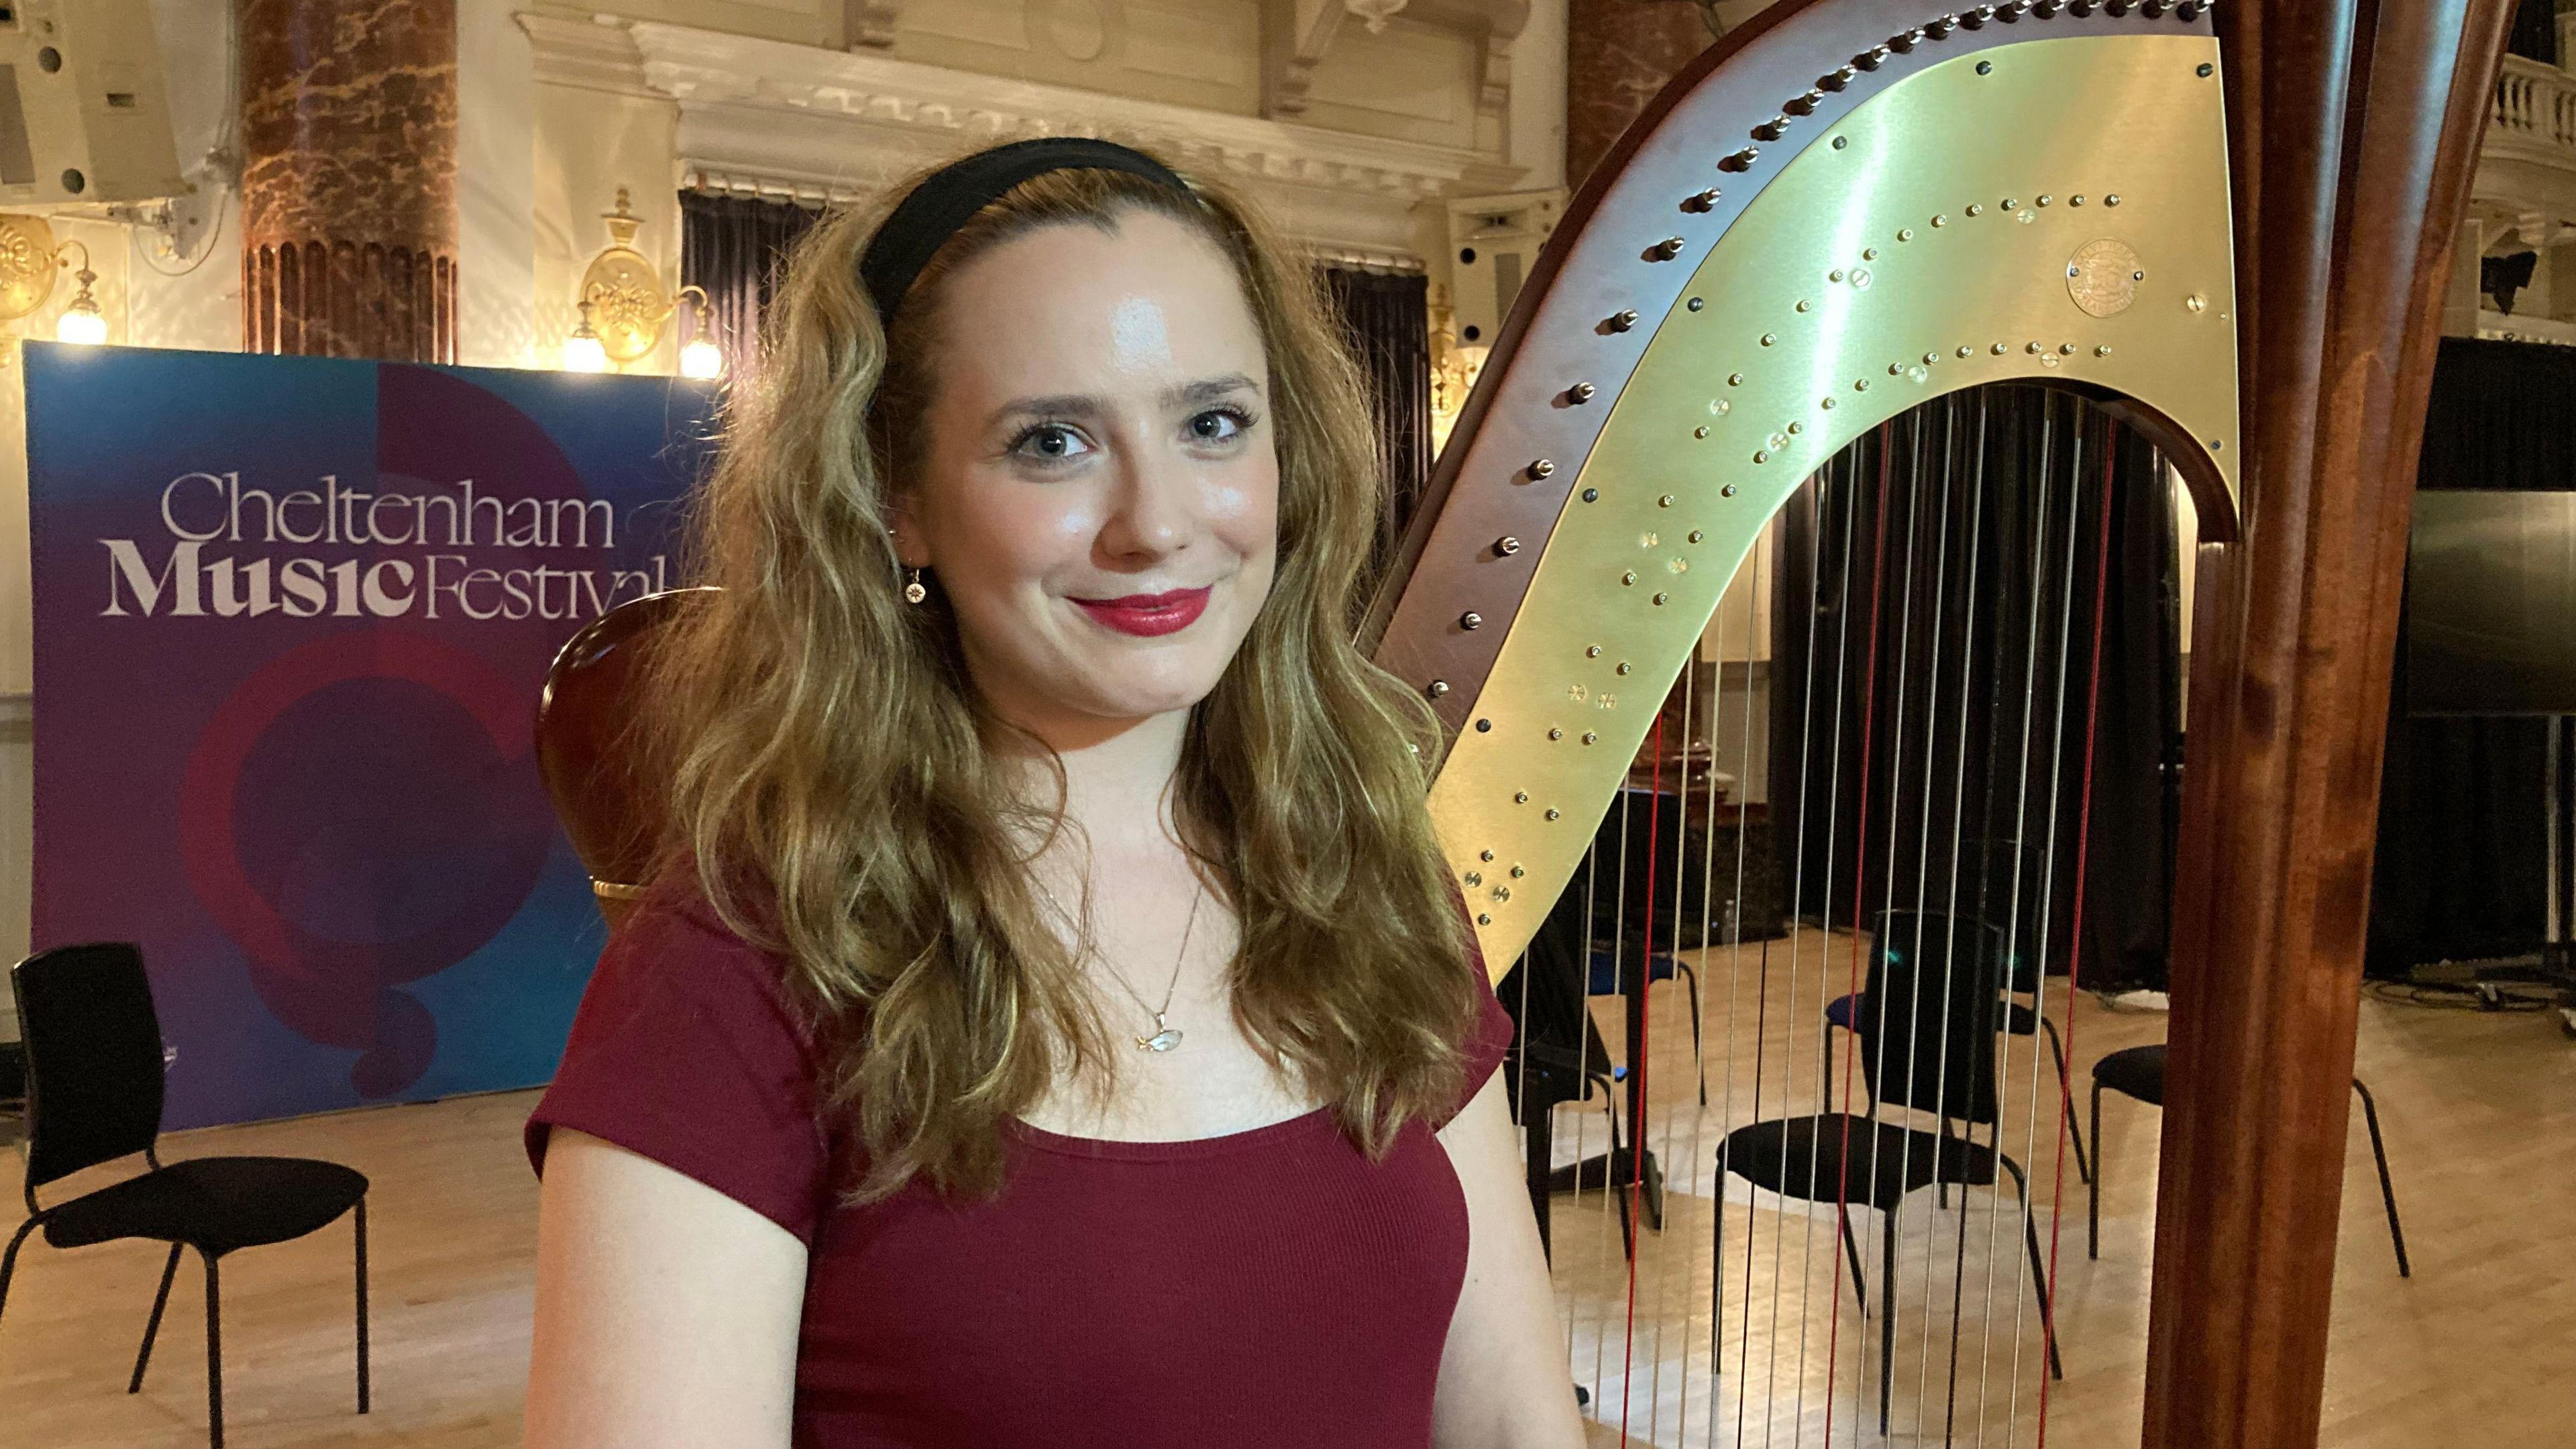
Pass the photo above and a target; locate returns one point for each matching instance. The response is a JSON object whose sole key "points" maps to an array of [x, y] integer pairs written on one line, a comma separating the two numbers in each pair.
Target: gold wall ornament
{"points": [[1953, 301], [624, 308], [29, 258]]}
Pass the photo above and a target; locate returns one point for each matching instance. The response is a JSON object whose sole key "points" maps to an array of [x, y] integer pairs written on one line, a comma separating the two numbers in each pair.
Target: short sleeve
{"points": [[684, 1050], [1488, 1041]]}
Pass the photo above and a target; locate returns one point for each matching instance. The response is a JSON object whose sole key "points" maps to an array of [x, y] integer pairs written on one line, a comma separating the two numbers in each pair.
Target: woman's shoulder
{"points": [[676, 899], [686, 1050], [674, 950]]}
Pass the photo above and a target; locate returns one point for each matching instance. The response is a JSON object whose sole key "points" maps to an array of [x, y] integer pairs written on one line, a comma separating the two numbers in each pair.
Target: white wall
{"points": [[1537, 134], [496, 159]]}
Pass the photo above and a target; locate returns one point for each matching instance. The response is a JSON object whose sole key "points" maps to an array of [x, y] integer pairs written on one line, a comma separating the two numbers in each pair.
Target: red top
{"points": [[1264, 1288]]}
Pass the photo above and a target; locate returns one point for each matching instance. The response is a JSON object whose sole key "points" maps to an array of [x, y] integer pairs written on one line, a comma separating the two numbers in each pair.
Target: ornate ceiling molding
{"points": [[767, 116], [593, 54]]}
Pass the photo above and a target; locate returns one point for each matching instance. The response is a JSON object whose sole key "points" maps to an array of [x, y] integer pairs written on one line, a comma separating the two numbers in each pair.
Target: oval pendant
{"points": [[1161, 1041]]}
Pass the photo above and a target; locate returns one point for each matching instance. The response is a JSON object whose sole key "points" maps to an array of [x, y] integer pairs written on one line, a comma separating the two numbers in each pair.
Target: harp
{"points": [[1888, 322]]}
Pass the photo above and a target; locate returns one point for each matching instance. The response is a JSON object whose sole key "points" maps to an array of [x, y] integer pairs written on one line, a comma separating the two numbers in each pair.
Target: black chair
{"points": [[94, 1095], [1927, 1026], [1983, 885], [2140, 1072], [1557, 1056]]}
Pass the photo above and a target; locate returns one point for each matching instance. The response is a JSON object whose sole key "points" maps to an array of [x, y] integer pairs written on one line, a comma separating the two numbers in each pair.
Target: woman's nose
{"points": [[1156, 510]]}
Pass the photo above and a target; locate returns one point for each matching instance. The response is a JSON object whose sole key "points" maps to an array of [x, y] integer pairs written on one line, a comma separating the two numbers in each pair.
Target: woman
{"points": [[1056, 1025]]}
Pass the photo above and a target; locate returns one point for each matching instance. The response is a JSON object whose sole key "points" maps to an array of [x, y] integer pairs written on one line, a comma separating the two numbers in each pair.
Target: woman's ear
{"points": [[909, 546]]}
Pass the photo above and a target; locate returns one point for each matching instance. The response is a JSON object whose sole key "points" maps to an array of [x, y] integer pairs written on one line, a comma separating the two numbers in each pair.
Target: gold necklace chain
{"points": [[1165, 1037]]}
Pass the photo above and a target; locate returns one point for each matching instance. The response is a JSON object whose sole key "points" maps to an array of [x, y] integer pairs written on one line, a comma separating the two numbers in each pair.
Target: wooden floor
{"points": [[2480, 1113]]}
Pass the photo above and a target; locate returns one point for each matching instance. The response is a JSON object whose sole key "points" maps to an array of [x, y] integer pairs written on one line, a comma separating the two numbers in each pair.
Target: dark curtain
{"points": [[1933, 662], [2535, 31], [732, 246], [1387, 321], [2461, 872]]}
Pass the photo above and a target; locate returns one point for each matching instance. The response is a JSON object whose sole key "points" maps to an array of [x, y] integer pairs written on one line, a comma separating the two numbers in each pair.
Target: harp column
{"points": [[349, 178], [2352, 133]]}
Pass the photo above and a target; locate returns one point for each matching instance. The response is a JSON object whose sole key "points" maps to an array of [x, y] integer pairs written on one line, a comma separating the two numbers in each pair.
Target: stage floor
{"points": [[2480, 1114]]}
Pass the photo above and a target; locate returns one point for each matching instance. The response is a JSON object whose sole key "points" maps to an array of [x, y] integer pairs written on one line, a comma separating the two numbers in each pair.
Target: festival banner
{"points": [[292, 616]]}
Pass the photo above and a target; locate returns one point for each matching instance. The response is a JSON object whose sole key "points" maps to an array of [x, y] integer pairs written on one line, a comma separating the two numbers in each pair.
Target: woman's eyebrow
{"points": [[1087, 405], [1209, 389]]}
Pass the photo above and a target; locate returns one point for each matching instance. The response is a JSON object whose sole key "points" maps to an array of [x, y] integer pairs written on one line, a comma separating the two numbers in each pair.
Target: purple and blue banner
{"points": [[291, 620]]}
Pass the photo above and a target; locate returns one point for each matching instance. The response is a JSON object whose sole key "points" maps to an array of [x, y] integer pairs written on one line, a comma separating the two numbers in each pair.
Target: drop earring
{"points": [[913, 592]]}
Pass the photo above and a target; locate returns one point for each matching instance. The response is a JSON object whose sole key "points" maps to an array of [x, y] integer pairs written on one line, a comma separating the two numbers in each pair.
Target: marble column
{"points": [[349, 178], [1618, 53]]}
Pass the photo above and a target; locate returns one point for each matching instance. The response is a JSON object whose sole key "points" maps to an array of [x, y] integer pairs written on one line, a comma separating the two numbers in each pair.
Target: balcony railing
{"points": [[2534, 102], [2496, 326]]}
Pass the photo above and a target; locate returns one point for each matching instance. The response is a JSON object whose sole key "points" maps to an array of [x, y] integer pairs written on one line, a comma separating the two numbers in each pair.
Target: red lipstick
{"points": [[1149, 615]]}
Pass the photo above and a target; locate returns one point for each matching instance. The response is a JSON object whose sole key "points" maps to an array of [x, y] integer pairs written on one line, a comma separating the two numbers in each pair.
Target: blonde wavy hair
{"points": [[832, 778]]}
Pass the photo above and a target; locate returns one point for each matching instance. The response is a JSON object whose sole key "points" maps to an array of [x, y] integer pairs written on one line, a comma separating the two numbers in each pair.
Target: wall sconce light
{"points": [[582, 351], [30, 259], [624, 309]]}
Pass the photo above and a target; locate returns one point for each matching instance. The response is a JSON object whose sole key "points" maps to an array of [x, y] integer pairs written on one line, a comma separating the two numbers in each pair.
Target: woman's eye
{"points": [[1052, 442], [1218, 425]]}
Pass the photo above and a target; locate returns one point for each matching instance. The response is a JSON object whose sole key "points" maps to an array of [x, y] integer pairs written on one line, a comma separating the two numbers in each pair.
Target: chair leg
{"points": [[362, 1302], [2387, 1189], [1941, 1187], [1610, 1164], [2066, 1090], [9, 1262], [152, 1325], [1851, 1249], [1717, 1252], [1887, 1297], [2038, 1269], [1699, 1054], [214, 1353], [2093, 1184], [1825, 1069]]}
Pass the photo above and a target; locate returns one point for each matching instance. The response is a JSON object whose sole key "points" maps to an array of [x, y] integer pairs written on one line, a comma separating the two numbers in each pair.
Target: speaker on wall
{"points": [[1493, 244], [84, 110]]}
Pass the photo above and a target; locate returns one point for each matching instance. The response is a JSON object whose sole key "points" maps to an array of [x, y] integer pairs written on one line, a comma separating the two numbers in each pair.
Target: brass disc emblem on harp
{"points": [[2103, 276]]}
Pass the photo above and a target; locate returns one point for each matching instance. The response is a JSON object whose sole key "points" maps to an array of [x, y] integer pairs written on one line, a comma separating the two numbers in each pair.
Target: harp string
{"points": [[1823, 515], [1821, 495], [1610, 1148], [1714, 728], [1679, 1283], [1664, 1283], [1735, 961], [1640, 1063], [1898, 799], [1848, 498], [1923, 864], [2083, 846], [1629, 1158], [1878, 1229], [1985, 888], [2036, 578], [1860, 881], [2047, 896]]}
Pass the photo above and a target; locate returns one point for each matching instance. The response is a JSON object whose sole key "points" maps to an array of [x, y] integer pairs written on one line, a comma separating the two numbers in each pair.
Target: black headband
{"points": [[949, 197]]}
